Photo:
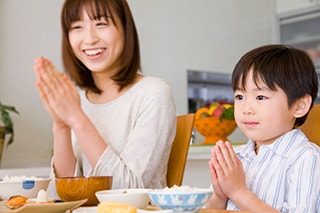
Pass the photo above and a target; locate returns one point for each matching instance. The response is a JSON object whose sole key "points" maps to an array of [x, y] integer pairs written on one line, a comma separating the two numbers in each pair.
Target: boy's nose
{"points": [[247, 108]]}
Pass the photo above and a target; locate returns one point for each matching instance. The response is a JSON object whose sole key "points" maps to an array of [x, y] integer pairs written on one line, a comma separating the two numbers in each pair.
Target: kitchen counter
{"points": [[199, 152]]}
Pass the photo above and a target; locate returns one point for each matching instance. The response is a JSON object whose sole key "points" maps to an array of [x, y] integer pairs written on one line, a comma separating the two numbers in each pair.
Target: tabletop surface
{"points": [[219, 211]]}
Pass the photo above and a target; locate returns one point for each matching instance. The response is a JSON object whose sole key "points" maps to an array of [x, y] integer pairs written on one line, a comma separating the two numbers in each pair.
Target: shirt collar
{"points": [[282, 146]]}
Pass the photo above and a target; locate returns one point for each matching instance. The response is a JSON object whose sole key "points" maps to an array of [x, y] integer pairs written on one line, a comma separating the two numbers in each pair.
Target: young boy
{"points": [[278, 170]]}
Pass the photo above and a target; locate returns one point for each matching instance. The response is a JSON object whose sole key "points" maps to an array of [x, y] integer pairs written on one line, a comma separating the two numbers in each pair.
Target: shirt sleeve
{"points": [[303, 186]]}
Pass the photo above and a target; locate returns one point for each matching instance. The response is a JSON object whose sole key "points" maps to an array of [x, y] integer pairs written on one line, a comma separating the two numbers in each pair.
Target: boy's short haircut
{"points": [[287, 67]]}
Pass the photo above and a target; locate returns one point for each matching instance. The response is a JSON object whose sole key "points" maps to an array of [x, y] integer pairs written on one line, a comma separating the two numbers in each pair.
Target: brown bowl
{"points": [[78, 188]]}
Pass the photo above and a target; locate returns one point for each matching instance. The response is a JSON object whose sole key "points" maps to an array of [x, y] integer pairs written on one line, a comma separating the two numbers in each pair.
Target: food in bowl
{"points": [[79, 188], [111, 207], [27, 186], [136, 197], [180, 198]]}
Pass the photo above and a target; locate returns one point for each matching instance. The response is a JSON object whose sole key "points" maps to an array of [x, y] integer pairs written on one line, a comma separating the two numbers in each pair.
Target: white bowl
{"points": [[28, 188], [190, 200], [135, 197]]}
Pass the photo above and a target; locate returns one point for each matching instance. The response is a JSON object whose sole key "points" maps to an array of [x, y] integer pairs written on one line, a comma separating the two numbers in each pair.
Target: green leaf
{"points": [[7, 121], [227, 114]]}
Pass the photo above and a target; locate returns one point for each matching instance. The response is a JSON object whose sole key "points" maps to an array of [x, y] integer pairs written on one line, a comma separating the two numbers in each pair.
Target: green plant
{"points": [[7, 120]]}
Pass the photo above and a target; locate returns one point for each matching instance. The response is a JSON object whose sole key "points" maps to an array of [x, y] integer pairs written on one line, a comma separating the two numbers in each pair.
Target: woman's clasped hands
{"points": [[227, 174], [57, 92]]}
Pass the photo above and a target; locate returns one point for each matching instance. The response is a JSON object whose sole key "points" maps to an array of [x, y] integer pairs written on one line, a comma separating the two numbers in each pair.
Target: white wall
{"points": [[28, 29], [175, 35]]}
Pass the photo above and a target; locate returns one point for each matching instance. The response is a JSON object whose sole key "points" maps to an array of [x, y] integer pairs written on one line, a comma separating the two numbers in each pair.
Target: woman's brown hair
{"points": [[130, 58]]}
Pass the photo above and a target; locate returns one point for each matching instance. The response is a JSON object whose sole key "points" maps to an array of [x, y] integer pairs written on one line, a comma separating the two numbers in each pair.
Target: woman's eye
{"points": [[75, 26], [261, 97], [100, 23]]}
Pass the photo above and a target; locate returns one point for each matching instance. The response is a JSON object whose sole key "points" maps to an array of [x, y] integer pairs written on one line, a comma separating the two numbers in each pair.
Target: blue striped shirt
{"points": [[284, 174]]}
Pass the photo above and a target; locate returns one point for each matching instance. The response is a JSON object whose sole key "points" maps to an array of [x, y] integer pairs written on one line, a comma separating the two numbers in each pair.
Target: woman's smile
{"points": [[94, 52]]}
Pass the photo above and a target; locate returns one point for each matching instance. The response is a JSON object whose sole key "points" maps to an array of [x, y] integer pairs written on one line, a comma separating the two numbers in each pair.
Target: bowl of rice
{"points": [[27, 186], [136, 197], [180, 198]]}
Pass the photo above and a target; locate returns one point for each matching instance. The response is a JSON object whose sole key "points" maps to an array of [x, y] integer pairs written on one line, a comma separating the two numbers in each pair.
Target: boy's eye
{"points": [[238, 97], [261, 97]]}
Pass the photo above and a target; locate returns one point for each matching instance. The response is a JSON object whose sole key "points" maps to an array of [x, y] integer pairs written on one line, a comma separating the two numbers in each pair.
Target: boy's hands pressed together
{"points": [[228, 169], [228, 181]]}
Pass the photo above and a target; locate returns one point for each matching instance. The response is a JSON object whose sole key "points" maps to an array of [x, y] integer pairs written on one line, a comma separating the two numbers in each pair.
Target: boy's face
{"points": [[261, 113]]}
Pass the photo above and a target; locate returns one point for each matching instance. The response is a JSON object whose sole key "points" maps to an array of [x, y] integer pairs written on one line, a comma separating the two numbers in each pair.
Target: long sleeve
{"points": [[139, 129]]}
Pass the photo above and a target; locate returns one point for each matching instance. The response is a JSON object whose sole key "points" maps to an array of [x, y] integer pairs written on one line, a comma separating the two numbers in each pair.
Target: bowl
{"points": [[22, 185], [182, 199], [133, 196], [79, 188], [213, 128]]}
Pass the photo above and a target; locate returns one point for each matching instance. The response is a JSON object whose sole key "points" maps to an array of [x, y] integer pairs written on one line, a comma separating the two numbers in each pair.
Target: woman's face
{"points": [[98, 44]]}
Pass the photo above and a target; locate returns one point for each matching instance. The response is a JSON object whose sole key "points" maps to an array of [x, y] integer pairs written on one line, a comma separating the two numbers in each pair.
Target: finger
{"points": [[217, 164], [213, 175], [51, 77], [41, 92], [45, 69], [44, 97], [45, 93], [220, 156], [225, 154], [233, 155], [50, 73], [68, 84], [212, 171]]}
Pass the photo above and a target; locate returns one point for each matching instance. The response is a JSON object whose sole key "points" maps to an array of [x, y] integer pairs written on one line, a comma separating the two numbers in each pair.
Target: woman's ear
{"points": [[302, 106]]}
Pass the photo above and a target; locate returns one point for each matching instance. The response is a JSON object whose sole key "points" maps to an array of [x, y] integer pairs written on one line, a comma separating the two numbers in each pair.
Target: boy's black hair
{"points": [[287, 67]]}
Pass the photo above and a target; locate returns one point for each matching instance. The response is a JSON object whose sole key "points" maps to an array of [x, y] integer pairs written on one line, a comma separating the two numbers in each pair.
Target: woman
{"points": [[119, 122]]}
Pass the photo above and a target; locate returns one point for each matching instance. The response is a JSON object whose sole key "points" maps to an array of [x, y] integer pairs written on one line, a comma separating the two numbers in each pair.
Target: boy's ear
{"points": [[302, 106]]}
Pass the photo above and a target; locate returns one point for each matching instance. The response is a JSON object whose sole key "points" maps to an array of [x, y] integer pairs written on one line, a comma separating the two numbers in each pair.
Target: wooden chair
{"points": [[179, 150], [311, 126]]}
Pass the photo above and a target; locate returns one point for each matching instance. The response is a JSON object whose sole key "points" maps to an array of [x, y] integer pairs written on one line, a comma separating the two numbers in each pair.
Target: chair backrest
{"points": [[179, 150], [311, 126]]}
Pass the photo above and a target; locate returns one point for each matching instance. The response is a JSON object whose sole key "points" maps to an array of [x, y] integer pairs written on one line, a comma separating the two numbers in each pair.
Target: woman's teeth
{"points": [[93, 52]]}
